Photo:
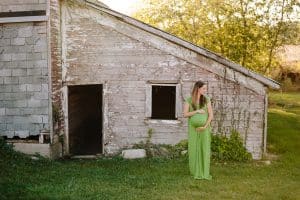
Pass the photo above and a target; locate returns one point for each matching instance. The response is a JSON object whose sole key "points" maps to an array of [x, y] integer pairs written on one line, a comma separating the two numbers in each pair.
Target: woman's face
{"points": [[202, 90]]}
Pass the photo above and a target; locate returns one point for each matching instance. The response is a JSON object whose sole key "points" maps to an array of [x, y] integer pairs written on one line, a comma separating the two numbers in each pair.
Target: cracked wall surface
{"points": [[96, 51]]}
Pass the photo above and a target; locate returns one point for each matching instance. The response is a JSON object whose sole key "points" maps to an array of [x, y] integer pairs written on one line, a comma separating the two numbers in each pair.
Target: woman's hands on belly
{"points": [[198, 120]]}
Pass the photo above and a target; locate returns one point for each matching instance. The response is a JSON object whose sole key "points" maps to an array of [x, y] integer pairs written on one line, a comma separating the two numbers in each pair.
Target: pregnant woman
{"points": [[198, 109]]}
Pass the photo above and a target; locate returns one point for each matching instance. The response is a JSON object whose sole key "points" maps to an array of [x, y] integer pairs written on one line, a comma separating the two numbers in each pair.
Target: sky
{"points": [[123, 6]]}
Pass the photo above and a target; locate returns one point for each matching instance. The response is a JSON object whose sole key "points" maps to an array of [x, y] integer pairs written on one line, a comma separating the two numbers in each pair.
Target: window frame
{"points": [[148, 102]]}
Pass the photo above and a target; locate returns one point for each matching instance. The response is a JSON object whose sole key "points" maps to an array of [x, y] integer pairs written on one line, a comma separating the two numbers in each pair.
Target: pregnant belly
{"points": [[198, 120]]}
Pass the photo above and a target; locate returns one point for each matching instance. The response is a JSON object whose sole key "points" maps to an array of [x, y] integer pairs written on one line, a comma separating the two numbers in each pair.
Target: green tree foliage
{"points": [[247, 32]]}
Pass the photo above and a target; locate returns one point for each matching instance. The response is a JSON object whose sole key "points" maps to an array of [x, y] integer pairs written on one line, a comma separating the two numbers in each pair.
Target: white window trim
{"points": [[148, 104], [162, 121]]}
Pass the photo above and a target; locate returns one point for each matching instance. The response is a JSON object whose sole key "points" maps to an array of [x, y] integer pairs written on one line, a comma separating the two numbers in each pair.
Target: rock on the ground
{"points": [[267, 162], [134, 153], [183, 152], [164, 151], [34, 158]]}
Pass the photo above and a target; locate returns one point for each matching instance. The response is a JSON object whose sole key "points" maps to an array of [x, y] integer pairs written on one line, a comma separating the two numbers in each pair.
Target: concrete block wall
{"points": [[24, 98], [22, 5]]}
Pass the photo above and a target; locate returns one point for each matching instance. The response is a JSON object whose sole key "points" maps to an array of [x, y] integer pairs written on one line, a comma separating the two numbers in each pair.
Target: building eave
{"points": [[197, 49]]}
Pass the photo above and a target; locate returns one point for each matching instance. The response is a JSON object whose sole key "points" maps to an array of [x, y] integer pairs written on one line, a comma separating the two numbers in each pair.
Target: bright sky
{"points": [[123, 6]]}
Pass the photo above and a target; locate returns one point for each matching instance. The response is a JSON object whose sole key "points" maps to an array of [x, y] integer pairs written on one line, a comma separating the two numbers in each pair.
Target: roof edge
{"points": [[179, 41]]}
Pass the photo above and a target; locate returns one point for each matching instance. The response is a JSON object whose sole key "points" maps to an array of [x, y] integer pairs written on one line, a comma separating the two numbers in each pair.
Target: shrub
{"points": [[222, 148], [11, 157], [7, 153], [229, 149], [160, 150], [5, 148]]}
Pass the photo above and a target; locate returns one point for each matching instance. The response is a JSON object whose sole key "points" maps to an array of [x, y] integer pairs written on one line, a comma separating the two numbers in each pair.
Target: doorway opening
{"points": [[85, 119]]}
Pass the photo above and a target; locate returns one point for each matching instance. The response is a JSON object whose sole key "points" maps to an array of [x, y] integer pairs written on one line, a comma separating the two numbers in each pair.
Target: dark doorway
{"points": [[85, 119]]}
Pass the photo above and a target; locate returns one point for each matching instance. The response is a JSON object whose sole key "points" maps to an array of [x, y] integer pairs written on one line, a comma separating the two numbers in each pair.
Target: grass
{"points": [[156, 178], [289, 102]]}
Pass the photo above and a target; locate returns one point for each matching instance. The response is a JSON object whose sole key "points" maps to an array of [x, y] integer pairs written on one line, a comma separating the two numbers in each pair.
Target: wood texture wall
{"points": [[94, 52]]}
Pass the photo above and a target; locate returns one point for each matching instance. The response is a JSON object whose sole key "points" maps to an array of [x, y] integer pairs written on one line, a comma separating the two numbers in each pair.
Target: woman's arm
{"points": [[210, 114], [186, 112]]}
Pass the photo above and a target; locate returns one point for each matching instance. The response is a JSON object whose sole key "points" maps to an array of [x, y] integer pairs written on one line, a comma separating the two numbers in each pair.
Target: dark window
{"points": [[23, 13], [163, 102]]}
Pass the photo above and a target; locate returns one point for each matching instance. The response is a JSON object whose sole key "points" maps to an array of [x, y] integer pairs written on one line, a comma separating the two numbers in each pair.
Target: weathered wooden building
{"points": [[111, 78]]}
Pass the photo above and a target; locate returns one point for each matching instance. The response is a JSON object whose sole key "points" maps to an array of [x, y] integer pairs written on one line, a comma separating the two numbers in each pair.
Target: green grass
{"points": [[115, 178], [285, 101]]}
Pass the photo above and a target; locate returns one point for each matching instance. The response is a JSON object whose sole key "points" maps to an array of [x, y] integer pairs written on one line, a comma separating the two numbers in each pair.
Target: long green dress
{"points": [[199, 143]]}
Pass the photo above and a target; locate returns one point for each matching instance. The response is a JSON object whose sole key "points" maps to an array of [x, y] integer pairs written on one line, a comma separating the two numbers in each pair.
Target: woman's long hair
{"points": [[202, 100]]}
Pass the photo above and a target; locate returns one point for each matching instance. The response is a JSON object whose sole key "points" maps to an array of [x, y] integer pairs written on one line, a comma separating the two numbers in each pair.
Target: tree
{"points": [[246, 31]]}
